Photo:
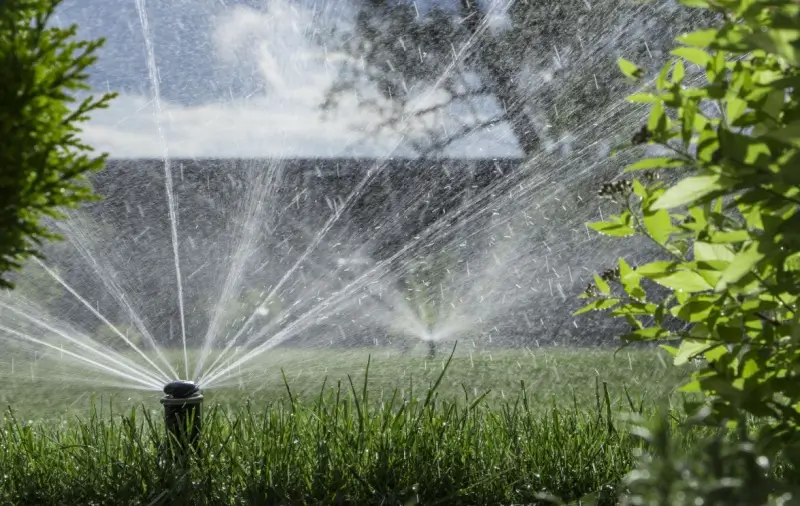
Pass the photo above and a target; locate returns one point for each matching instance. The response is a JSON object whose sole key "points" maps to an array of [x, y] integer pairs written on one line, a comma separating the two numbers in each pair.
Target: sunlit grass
{"points": [[340, 447], [53, 388]]}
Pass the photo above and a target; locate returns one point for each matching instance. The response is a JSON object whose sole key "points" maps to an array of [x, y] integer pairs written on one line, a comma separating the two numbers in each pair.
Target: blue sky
{"points": [[237, 79]]}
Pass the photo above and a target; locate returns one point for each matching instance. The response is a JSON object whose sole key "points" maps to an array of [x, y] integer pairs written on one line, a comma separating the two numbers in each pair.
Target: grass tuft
{"points": [[338, 449], [349, 442]]}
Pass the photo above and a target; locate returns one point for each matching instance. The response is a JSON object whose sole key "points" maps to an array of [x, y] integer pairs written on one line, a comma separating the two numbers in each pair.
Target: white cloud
{"points": [[249, 128], [280, 118]]}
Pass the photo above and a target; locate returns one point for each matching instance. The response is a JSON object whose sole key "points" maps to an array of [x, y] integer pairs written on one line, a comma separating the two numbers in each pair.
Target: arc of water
{"points": [[314, 243], [212, 375], [235, 340], [173, 213], [100, 316], [253, 214], [278, 338], [285, 333], [149, 382], [114, 289], [290, 330], [114, 357], [339, 210]]}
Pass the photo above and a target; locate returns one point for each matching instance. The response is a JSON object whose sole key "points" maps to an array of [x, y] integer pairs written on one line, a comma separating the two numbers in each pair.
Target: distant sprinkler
{"points": [[182, 413]]}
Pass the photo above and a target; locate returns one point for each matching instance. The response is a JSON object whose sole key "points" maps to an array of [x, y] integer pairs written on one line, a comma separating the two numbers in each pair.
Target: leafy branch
{"points": [[44, 162], [726, 228]]}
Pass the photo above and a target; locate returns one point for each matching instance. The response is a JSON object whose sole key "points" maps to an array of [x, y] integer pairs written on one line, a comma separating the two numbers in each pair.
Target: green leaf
{"points": [[715, 353], [699, 38], [731, 237], [661, 80], [691, 387], [689, 190], [743, 263], [602, 285], [678, 72], [749, 368], [703, 4], [700, 331], [786, 82], [657, 123], [707, 144], [715, 68], [746, 150], [688, 114], [782, 42], [693, 55], [625, 269], [773, 103], [704, 251], [685, 281], [639, 98], [689, 349], [657, 268], [612, 229], [790, 134], [698, 214], [730, 39], [656, 163], [678, 247], [658, 224], [711, 271], [639, 189], [669, 349], [752, 214], [634, 309], [630, 281], [630, 69], [735, 107], [792, 262], [647, 334], [597, 305], [693, 310]]}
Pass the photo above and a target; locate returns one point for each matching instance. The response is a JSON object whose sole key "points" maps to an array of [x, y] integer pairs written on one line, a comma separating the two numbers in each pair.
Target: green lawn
{"points": [[53, 387], [349, 444]]}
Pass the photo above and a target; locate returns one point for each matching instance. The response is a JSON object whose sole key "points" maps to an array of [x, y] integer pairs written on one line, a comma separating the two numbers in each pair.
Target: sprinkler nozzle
{"points": [[181, 389], [182, 414]]}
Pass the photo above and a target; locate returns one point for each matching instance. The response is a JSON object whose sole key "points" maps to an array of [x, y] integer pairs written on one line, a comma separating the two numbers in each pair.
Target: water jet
{"points": [[182, 413]]}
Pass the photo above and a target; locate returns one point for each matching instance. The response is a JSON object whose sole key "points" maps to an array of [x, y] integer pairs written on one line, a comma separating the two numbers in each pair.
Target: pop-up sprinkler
{"points": [[182, 414]]}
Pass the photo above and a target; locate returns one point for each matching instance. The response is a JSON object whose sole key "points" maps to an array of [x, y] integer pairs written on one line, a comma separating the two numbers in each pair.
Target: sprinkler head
{"points": [[182, 414], [181, 389]]}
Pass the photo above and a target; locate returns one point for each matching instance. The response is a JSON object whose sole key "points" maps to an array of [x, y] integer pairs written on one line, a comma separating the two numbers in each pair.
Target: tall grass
{"points": [[342, 448]]}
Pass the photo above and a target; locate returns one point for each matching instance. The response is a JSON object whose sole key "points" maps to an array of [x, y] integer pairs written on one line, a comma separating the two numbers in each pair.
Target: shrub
{"points": [[42, 161], [725, 120], [724, 469]]}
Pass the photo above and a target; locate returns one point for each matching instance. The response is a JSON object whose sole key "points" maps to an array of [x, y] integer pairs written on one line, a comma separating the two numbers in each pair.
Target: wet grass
{"points": [[48, 387], [341, 446]]}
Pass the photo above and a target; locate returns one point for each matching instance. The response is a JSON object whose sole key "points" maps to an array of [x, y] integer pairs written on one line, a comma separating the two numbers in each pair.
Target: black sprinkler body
{"points": [[180, 389], [182, 414]]}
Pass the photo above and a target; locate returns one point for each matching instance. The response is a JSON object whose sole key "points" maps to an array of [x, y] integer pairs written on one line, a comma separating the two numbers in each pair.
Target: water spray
{"points": [[182, 413]]}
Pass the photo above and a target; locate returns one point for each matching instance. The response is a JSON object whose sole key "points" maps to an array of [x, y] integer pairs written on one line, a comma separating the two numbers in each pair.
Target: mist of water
{"points": [[258, 265]]}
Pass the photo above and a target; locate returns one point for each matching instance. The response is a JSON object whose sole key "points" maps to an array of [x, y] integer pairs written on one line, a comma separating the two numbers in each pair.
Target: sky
{"points": [[236, 78]]}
